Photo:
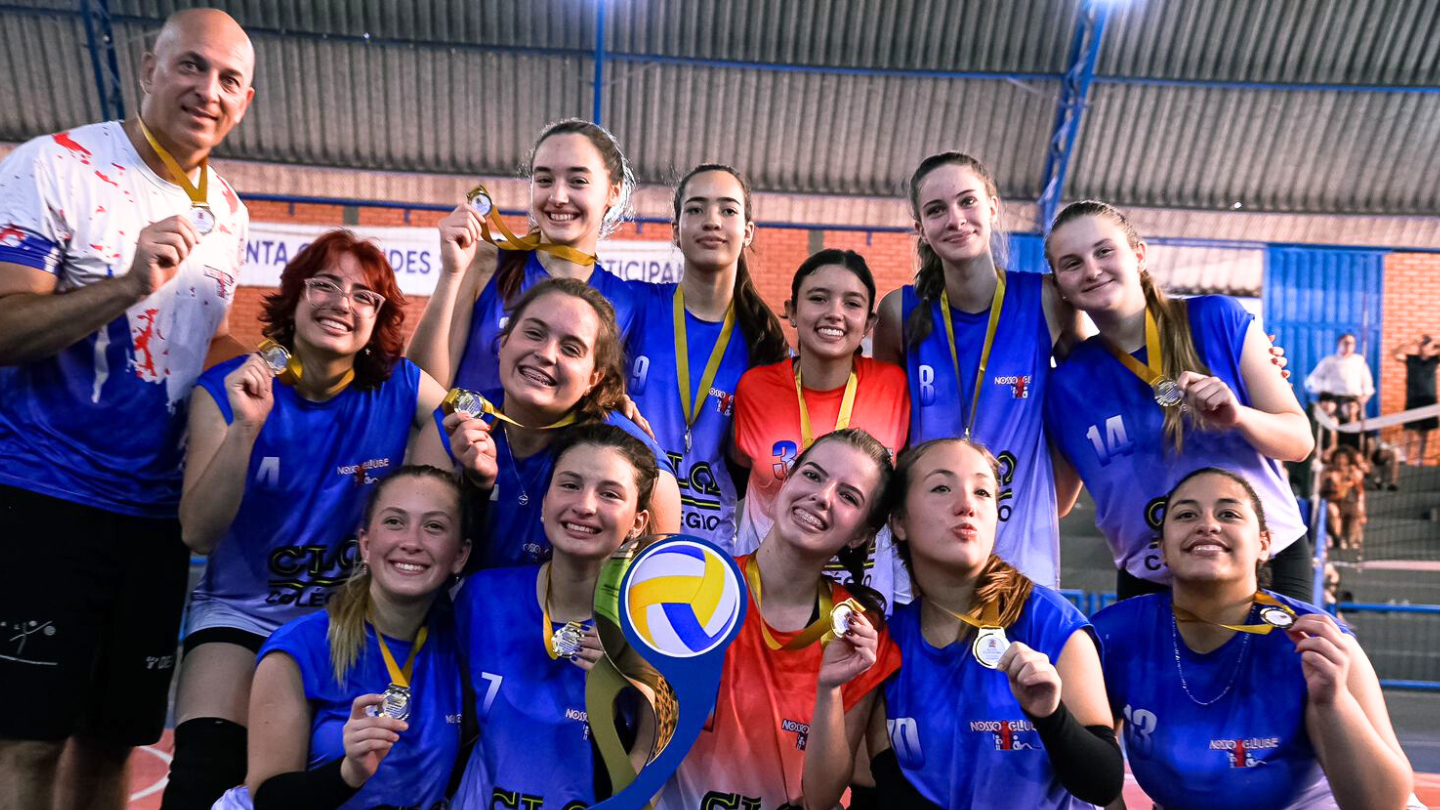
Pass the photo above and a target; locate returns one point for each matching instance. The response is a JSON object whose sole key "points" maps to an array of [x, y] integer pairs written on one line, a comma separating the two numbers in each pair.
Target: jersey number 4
{"points": [[1114, 442]]}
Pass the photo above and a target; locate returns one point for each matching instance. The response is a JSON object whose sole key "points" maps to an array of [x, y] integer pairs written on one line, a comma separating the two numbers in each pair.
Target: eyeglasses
{"points": [[319, 291]]}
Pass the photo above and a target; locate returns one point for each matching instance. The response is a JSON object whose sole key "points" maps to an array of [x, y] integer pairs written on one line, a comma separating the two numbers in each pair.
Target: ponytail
{"points": [[853, 558], [930, 277], [1172, 315], [510, 274], [757, 321]]}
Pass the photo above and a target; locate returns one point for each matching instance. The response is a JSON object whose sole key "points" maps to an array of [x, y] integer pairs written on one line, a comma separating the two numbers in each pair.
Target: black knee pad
{"points": [[209, 760]]}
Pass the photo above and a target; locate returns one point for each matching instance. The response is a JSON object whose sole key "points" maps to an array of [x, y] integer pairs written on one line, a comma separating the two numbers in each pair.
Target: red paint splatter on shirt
{"points": [[145, 369], [64, 139], [102, 176]]}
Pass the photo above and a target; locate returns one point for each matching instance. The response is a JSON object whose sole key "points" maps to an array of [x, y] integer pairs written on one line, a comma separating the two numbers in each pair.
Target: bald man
{"points": [[119, 251]]}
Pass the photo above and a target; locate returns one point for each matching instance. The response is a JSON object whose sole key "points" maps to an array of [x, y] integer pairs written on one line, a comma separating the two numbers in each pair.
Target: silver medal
{"points": [[203, 219], [990, 646], [480, 202], [566, 640], [396, 704], [1277, 617], [840, 619], [276, 357], [1167, 392]]}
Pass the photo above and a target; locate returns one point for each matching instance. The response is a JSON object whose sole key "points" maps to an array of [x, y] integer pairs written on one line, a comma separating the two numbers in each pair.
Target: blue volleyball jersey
{"points": [[1246, 749], [959, 735], [479, 363], [1104, 418], [1011, 416], [514, 533], [314, 464], [534, 744], [707, 493], [417, 770]]}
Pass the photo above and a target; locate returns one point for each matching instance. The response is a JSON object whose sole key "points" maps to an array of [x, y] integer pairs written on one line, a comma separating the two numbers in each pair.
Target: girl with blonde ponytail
{"points": [[358, 705], [1000, 701], [1169, 386], [976, 342]]}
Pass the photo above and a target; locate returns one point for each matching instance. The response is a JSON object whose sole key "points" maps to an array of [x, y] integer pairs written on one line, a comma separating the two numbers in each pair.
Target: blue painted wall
{"points": [[1312, 296]]}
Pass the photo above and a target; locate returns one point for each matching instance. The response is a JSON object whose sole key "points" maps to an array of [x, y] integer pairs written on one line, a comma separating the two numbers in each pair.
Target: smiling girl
{"points": [[275, 478], [780, 409], [580, 187], [1233, 696], [1168, 386]]}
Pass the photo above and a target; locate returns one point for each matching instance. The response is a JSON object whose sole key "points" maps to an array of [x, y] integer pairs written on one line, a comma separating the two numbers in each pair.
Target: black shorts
{"points": [[90, 605]]}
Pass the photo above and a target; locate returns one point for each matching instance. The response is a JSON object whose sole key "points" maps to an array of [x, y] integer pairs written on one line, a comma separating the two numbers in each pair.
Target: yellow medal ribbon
{"points": [[989, 616], [847, 404], [712, 366], [1167, 393], [287, 368], [997, 303], [547, 627], [1274, 615], [197, 194], [483, 204], [400, 676], [476, 404], [825, 602]]}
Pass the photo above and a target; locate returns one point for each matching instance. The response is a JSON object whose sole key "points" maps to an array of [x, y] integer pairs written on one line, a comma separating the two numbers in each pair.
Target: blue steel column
{"points": [[1074, 94], [596, 92], [101, 39]]}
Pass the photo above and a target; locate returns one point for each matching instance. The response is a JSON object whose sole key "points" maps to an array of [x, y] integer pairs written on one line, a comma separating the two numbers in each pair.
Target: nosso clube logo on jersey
{"points": [[682, 598]]}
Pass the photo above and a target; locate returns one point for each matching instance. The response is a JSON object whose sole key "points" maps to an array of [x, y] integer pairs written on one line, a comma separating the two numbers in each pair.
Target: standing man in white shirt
{"points": [[1342, 382], [119, 252]]}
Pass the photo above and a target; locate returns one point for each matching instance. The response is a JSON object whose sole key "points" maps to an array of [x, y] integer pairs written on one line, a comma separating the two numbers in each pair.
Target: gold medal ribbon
{"points": [[530, 241], [453, 402], [989, 616], [825, 602], [400, 676], [1153, 371], [712, 366], [197, 194], [1260, 598], [547, 628], [294, 371], [847, 404], [997, 303]]}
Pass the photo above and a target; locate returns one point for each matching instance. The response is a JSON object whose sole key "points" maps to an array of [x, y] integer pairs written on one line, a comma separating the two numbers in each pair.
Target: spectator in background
{"points": [[1343, 384], [1421, 357], [1343, 486]]}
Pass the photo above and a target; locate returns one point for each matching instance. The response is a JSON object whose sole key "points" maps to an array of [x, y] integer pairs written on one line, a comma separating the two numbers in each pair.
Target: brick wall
{"points": [[777, 252], [1412, 308]]}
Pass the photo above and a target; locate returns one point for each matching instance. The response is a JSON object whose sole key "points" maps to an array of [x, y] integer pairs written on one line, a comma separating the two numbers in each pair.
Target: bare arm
{"points": [[1067, 481], [889, 344], [467, 263], [217, 460], [1274, 424], [835, 734], [36, 322], [1347, 721], [665, 514], [279, 721]]}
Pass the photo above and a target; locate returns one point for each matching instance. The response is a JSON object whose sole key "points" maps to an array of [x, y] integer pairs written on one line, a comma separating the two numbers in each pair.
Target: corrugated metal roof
{"points": [[428, 91], [1290, 41]]}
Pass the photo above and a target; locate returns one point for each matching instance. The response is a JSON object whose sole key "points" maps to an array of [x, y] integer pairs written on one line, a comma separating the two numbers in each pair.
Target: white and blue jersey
{"points": [[417, 770], [1245, 747], [959, 735], [479, 367], [1104, 418], [102, 421], [513, 532], [314, 464], [1010, 421], [707, 493], [534, 744]]}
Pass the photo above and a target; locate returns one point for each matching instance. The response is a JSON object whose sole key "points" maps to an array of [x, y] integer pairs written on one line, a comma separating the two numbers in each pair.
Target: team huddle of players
{"points": [[404, 540]]}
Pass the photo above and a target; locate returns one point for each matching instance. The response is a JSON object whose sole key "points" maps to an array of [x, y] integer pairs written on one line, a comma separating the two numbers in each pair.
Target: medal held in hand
{"points": [[202, 218], [565, 641], [990, 646], [841, 616], [480, 201], [396, 704]]}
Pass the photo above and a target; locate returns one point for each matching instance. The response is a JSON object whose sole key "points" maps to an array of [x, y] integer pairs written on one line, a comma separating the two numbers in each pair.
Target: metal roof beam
{"points": [[101, 41], [597, 92], [1074, 93]]}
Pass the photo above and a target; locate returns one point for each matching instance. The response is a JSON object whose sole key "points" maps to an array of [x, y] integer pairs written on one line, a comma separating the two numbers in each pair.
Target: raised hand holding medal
{"points": [[851, 653], [1210, 399], [368, 736], [200, 215], [1034, 681], [482, 204]]}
